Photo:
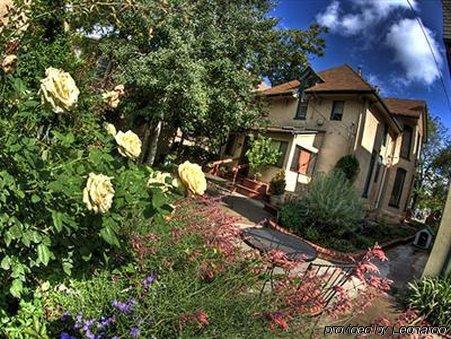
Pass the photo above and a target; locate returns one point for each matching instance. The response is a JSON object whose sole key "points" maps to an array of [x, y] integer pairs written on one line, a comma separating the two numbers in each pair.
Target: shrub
{"points": [[432, 297], [331, 205], [261, 154], [349, 165], [277, 184]]}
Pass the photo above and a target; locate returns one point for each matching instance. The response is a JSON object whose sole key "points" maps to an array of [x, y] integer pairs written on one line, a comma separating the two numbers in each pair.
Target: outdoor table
{"points": [[267, 239]]}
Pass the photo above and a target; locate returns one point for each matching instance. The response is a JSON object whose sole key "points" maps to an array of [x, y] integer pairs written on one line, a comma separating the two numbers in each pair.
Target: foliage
{"points": [[331, 205], [349, 165], [261, 154], [431, 296], [194, 153], [433, 175], [198, 67], [277, 184], [45, 158], [195, 253]]}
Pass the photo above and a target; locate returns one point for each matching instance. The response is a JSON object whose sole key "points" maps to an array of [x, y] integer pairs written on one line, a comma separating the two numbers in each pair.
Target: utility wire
{"points": [[433, 54]]}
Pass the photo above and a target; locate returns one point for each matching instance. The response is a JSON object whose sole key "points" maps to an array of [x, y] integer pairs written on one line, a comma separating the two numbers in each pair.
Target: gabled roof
{"points": [[341, 78], [411, 108]]}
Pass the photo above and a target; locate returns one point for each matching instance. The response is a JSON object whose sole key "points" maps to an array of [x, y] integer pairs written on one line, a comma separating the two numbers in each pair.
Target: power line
{"points": [[432, 52]]}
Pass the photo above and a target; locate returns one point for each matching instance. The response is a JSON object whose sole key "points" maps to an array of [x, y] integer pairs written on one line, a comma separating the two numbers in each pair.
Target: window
{"points": [[337, 110], [303, 161], [397, 188], [385, 136], [406, 144], [280, 146], [301, 112], [366, 190], [378, 168]]}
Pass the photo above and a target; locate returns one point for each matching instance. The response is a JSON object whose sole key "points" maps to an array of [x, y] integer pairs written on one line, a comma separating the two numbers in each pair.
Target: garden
{"points": [[107, 229]]}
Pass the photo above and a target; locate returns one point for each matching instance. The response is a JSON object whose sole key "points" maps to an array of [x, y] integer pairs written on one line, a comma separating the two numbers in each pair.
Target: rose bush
{"points": [[65, 192]]}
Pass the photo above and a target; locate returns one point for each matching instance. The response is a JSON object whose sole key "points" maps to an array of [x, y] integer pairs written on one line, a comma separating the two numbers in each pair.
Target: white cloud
{"points": [[412, 51], [368, 13], [330, 17], [375, 81]]}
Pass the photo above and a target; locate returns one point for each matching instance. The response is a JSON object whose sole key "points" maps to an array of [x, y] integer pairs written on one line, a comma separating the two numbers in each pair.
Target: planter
{"points": [[258, 186]]}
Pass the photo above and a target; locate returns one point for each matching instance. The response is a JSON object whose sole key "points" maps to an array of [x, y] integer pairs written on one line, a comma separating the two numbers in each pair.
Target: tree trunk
{"points": [[154, 136]]}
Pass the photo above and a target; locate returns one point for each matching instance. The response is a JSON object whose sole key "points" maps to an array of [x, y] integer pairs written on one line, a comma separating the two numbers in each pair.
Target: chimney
{"points": [[359, 70]]}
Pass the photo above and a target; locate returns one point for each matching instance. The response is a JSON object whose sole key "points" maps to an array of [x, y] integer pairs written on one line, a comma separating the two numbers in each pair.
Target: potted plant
{"points": [[277, 189]]}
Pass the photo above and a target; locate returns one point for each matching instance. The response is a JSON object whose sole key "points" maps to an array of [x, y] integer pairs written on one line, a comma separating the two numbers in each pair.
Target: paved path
{"points": [[405, 261]]}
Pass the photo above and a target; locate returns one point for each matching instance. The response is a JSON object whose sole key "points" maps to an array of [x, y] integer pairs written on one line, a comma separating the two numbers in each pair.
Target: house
{"points": [[323, 116]]}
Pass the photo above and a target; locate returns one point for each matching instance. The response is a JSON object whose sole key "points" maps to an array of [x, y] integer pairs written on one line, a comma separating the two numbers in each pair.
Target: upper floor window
{"points": [[397, 187], [406, 144], [385, 136], [337, 110], [282, 147], [303, 161], [301, 111]]}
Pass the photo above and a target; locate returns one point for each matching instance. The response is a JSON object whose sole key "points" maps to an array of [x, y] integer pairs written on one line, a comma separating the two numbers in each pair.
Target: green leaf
{"points": [[16, 288], [44, 254], [108, 234], [67, 267], [158, 198], [57, 218], [35, 198], [6, 263]]}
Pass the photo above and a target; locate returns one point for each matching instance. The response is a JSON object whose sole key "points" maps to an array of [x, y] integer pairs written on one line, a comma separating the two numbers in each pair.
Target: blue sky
{"points": [[384, 39]]}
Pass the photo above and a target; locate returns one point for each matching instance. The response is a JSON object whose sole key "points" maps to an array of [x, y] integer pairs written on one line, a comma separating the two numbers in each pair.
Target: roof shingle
{"points": [[341, 78], [406, 107], [283, 88]]}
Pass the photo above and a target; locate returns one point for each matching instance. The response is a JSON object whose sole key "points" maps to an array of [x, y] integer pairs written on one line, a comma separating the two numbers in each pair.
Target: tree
{"points": [[198, 68], [434, 169]]}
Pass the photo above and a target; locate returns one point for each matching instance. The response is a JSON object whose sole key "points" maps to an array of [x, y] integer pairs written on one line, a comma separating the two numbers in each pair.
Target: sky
{"points": [[384, 38]]}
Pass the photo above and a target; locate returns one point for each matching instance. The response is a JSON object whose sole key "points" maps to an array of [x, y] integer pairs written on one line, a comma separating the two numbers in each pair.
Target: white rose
{"points": [[129, 144], [110, 128], [192, 178], [9, 63], [112, 97], [162, 180], [98, 193], [59, 90]]}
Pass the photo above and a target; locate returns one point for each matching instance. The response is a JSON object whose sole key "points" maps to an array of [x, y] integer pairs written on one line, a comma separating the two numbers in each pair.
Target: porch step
{"points": [[249, 192]]}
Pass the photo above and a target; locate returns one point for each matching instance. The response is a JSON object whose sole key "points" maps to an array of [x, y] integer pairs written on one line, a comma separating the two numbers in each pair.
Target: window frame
{"points": [[302, 102], [333, 115], [404, 140], [400, 178]]}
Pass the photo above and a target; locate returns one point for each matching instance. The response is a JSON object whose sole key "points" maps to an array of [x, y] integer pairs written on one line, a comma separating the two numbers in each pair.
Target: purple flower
{"points": [[124, 307], [146, 282], [65, 335], [134, 332], [105, 322], [65, 316]]}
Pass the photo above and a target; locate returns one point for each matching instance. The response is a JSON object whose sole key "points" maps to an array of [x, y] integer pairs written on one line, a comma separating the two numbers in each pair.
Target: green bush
{"points": [[432, 297], [349, 165], [261, 154], [331, 205], [277, 184]]}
